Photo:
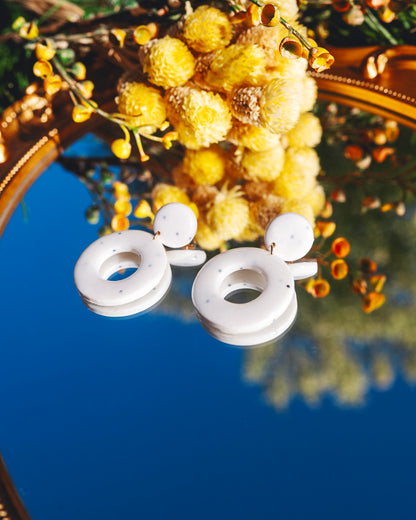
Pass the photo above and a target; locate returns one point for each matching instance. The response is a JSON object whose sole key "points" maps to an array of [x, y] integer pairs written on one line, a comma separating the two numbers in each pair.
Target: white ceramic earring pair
{"points": [[174, 226], [288, 238]]}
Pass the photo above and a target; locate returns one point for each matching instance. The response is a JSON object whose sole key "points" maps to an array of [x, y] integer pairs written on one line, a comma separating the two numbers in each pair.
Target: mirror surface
{"points": [[150, 417]]}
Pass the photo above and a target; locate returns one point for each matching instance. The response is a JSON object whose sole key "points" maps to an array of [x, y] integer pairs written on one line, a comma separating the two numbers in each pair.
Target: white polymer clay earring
{"points": [[288, 238], [174, 226]]}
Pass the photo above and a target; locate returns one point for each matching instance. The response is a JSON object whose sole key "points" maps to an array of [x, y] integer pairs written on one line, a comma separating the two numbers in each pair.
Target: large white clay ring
{"points": [[118, 251], [254, 322]]}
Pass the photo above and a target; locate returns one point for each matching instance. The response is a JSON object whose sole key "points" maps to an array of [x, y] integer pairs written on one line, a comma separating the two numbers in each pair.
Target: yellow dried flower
{"points": [[201, 118], [168, 62], [316, 198], [302, 159], [237, 65], [165, 193], [229, 215], [309, 94], [301, 207], [207, 29], [206, 238], [306, 132], [253, 137], [265, 37], [296, 179], [266, 208], [280, 105], [263, 166], [142, 104], [288, 8], [205, 166]]}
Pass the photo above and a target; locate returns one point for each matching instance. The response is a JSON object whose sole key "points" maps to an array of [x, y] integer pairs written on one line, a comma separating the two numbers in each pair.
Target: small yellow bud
{"points": [[121, 148], [270, 15], [52, 84], [142, 34], [42, 69], [44, 52], [119, 223], [81, 113], [29, 31], [79, 70], [143, 210], [119, 35], [86, 87], [123, 207]]}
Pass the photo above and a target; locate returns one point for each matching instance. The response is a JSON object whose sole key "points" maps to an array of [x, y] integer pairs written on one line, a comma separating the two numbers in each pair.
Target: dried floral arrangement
{"points": [[223, 87]]}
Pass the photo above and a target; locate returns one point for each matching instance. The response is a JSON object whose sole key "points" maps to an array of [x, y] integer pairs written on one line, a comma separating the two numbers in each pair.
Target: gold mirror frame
{"points": [[379, 80]]}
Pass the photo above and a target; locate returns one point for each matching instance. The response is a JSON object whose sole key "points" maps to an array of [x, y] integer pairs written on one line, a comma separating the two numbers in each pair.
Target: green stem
{"points": [[373, 22]]}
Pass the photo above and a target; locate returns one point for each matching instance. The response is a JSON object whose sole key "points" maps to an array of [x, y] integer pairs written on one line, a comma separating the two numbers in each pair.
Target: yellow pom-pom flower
{"points": [[142, 104], [206, 238], [316, 198], [200, 118], [205, 166], [263, 166], [237, 65], [298, 177], [207, 29], [306, 132], [280, 105], [253, 137], [163, 194], [303, 159], [301, 207], [168, 62], [229, 215], [309, 94]]}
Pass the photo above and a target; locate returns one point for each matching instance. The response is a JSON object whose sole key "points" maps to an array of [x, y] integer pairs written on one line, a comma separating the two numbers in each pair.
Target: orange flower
{"points": [[339, 195], [359, 286], [119, 223], [327, 211], [378, 281], [372, 301], [326, 229], [371, 202], [320, 59], [353, 152], [341, 5], [387, 207], [367, 265], [319, 288], [381, 153], [340, 247], [339, 269]]}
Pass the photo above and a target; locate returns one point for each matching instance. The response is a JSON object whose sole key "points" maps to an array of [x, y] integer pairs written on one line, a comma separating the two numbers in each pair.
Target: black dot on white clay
{"points": [[288, 286], [220, 270], [292, 236], [119, 233], [120, 291], [206, 301], [164, 217], [114, 250], [150, 265]]}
